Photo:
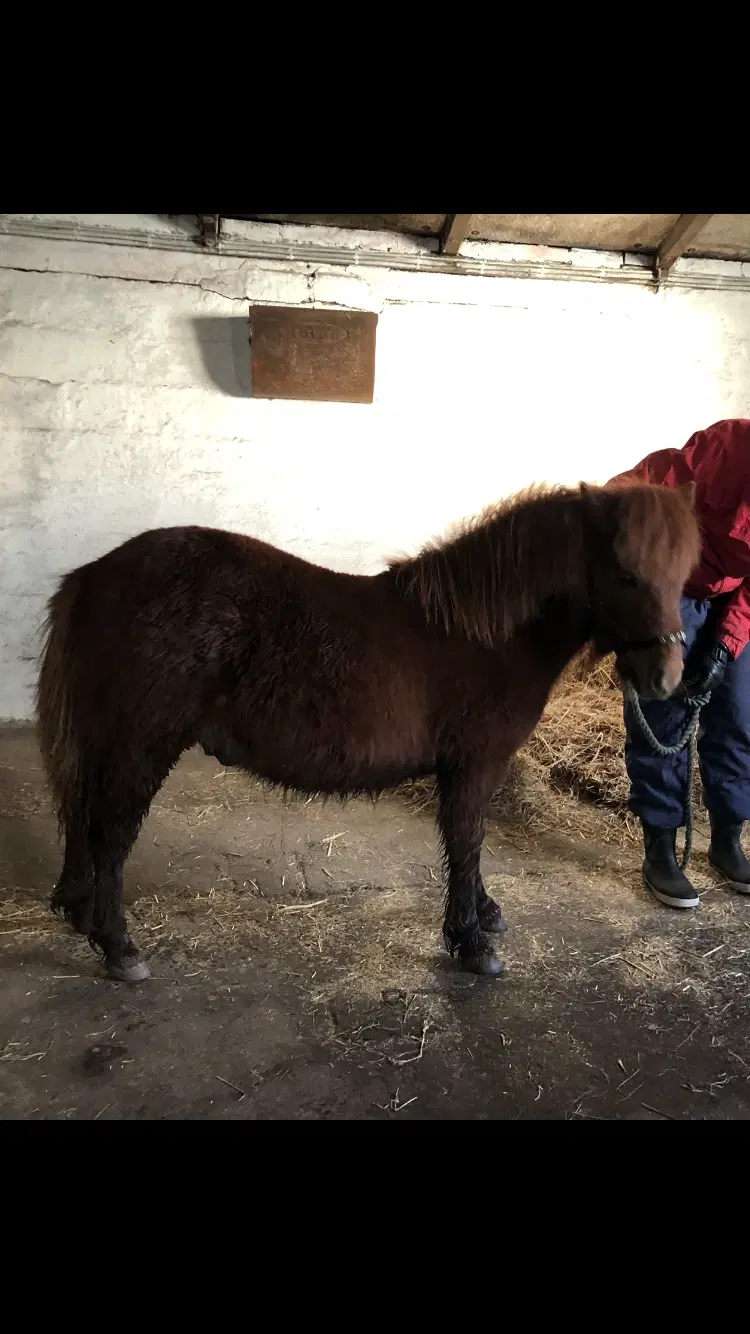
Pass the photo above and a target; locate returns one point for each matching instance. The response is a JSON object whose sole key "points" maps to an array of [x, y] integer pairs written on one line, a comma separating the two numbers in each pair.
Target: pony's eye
{"points": [[629, 580]]}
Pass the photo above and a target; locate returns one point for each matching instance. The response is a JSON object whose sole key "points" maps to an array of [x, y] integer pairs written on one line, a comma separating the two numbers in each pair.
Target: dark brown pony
{"points": [[339, 683]]}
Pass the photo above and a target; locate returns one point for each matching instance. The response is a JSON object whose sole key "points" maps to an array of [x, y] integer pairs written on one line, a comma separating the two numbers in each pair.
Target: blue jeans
{"points": [[658, 786]]}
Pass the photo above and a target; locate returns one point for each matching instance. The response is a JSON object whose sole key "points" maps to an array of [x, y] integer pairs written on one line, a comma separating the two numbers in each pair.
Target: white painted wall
{"points": [[124, 405]]}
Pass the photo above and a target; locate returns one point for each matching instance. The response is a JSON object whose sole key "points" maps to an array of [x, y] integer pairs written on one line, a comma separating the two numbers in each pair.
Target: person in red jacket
{"points": [[716, 620]]}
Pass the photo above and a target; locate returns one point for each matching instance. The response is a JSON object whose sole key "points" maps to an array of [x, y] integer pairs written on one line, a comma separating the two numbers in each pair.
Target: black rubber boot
{"points": [[661, 872], [726, 856]]}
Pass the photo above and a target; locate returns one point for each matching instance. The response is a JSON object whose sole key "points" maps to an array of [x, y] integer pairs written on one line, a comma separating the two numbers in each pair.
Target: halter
{"points": [[638, 645]]}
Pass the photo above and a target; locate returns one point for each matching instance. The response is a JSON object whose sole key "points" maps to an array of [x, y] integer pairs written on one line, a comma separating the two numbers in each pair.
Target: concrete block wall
{"points": [[125, 405]]}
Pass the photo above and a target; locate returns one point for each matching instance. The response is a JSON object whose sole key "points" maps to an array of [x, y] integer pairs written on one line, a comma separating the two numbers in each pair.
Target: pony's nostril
{"points": [[661, 682]]}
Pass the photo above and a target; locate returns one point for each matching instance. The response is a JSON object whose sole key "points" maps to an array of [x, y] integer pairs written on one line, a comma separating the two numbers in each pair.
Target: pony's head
{"points": [[643, 541]]}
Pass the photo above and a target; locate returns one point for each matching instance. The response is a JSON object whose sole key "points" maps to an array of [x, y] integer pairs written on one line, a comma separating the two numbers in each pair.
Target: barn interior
{"points": [[298, 970]]}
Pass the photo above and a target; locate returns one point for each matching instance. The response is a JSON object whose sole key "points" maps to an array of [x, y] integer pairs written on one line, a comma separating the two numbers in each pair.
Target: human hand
{"points": [[706, 673]]}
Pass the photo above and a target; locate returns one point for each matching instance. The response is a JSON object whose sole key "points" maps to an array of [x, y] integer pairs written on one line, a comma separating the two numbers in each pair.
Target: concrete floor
{"points": [[299, 971]]}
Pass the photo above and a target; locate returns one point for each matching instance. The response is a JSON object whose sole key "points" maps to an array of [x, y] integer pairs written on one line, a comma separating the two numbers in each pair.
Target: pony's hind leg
{"points": [[469, 910], [124, 795], [89, 896], [73, 896], [109, 931]]}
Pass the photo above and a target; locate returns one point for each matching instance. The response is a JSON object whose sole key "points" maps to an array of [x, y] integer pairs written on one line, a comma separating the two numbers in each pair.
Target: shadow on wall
{"points": [[224, 344]]}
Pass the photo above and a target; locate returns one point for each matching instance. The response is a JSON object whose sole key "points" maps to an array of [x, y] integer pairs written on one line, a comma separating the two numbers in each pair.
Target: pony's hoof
{"points": [[479, 957], [491, 918], [130, 969], [486, 965]]}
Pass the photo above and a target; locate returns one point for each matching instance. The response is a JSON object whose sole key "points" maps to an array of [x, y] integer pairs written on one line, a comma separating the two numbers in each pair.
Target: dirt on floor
{"points": [[299, 970]]}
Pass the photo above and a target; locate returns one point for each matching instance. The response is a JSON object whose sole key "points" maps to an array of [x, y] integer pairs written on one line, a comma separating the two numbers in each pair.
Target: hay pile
{"points": [[578, 746]]}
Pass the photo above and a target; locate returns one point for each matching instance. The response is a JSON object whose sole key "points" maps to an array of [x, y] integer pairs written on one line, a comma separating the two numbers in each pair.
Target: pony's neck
{"points": [[503, 569], [561, 630]]}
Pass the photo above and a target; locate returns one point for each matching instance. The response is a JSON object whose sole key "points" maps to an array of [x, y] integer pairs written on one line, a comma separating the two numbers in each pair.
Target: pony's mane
{"points": [[492, 573]]}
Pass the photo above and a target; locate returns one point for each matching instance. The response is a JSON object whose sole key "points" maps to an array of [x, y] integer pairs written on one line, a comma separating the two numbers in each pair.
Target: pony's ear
{"points": [[598, 506], [688, 490]]}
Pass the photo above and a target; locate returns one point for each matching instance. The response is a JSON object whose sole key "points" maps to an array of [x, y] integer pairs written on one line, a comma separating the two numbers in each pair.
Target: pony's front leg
{"points": [[469, 911]]}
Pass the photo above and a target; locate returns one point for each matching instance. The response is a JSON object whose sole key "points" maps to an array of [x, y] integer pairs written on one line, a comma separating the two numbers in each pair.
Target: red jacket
{"points": [[718, 461]]}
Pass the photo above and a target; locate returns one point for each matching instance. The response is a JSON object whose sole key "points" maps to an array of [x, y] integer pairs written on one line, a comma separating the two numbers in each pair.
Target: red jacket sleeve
{"points": [[734, 626]]}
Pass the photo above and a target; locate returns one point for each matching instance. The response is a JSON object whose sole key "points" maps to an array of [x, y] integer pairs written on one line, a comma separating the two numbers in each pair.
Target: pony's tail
{"points": [[59, 738]]}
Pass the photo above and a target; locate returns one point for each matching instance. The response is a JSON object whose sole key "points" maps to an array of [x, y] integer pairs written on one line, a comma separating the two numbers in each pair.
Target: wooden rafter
{"points": [[210, 225], [677, 240], [455, 229]]}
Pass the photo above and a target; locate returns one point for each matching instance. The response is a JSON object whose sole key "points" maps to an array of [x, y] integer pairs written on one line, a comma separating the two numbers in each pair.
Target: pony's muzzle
{"points": [[655, 674]]}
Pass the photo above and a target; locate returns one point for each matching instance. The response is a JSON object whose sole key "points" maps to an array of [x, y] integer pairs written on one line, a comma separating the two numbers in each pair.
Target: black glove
{"points": [[706, 673]]}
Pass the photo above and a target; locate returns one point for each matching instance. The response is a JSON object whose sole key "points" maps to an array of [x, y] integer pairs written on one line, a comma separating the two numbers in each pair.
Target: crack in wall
{"points": [[199, 285]]}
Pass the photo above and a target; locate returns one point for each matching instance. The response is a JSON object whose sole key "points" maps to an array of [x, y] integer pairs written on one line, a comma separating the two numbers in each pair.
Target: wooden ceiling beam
{"points": [[677, 240], [454, 230], [210, 225]]}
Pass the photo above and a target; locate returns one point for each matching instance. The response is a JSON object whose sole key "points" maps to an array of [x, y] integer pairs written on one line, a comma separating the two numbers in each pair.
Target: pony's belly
{"points": [[327, 766], [358, 745], [338, 780], [334, 771]]}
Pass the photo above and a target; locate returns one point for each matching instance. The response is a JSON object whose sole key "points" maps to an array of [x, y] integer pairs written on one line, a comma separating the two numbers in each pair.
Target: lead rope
{"points": [[689, 738]]}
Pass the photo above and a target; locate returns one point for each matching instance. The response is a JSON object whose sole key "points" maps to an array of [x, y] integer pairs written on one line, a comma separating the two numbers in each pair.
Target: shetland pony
{"points": [[342, 684]]}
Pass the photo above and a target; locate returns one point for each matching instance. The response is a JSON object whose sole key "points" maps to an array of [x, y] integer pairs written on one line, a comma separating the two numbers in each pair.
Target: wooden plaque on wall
{"points": [[327, 355]]}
